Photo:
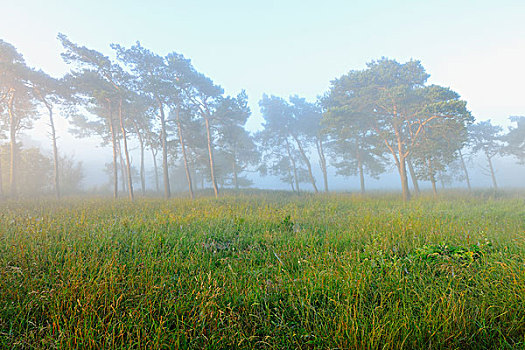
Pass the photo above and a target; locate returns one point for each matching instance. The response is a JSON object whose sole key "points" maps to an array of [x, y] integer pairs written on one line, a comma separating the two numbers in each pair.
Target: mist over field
{"points": [[262, 175], [301, 65]]}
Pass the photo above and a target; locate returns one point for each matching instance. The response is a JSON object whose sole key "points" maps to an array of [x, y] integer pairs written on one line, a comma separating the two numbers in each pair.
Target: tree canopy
{"points": [[385, 116]]}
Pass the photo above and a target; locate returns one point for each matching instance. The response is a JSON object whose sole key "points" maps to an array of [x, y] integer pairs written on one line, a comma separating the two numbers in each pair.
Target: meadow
{"points": [[268, 270]]}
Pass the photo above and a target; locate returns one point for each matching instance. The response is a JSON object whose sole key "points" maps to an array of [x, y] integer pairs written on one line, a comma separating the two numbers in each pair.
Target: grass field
{"points": [[271, 270]]}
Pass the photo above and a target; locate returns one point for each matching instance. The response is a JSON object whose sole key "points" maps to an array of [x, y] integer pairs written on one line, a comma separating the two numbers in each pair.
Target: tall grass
{"points": [[264, 271]]}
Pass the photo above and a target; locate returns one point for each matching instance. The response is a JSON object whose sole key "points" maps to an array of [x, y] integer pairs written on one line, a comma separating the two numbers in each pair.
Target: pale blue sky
{"points": [[295, 47], [288, 47]]}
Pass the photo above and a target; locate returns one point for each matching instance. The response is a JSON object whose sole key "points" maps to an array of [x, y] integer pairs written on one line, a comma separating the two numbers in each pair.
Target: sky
{"points": [[294, 47]]}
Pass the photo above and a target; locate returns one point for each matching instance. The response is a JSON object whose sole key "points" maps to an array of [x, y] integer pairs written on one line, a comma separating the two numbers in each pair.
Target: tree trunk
{"points": [[235, 180], [183, 147], [194, 175], [167, 191], [13, 173], [12, 134], [142, 171], [308, 165], [126, 153], [361, 174], [404, 179], [123, 182], [55, 154], [210, 152], [413, 176], [401, 162], [400, 158], [54, 143], [114, 144], [492, 174], [434, 188], [432, 177], [441, 181], [322, 163], [290, 174], [464, 166], [1, 183], [156, 168], [292, 160]]}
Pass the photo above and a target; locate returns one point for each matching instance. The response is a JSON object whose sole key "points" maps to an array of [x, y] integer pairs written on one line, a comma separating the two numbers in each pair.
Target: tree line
{"points": [[368, 121]]}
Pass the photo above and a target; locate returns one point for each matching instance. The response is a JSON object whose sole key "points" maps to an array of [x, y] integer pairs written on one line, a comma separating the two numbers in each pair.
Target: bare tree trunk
{"points": [[492, 174], [413, 176], [307, 161], [114, 144], [12, 134], [322, 162], [142, 171], [126, 153], [156, 168], [167, 191], [464, 166], [210, 152], [183, 147], [292, 160]]}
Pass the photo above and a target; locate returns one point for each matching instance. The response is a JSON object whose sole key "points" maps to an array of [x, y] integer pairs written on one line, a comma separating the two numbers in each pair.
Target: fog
{"points": [[509, 174], [297, 96]]}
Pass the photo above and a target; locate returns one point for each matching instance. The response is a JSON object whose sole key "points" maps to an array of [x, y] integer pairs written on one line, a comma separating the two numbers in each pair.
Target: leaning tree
{"points": [[153, 80], [234, 141], [487, 138], [17, 103], [515, 139]]}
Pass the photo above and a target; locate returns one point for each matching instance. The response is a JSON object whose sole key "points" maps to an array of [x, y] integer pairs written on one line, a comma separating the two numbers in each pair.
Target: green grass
{"points": [[271, 270]]}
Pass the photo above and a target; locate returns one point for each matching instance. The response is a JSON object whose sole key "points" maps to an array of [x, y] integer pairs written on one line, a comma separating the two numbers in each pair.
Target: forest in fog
{"points": [[262, 174], [179, 121]]}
